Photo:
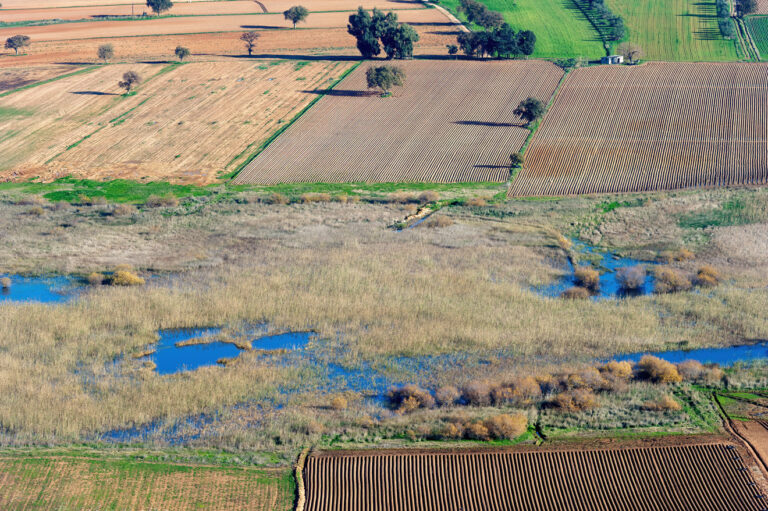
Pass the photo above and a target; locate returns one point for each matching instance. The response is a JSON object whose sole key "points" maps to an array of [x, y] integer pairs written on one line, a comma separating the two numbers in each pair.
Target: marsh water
{"points": [[39, 289], [607, 263], [721, 356]]}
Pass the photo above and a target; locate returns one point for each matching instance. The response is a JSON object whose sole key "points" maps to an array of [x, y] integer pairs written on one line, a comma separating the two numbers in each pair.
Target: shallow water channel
{"points": [[39, 289], [722, 356]]}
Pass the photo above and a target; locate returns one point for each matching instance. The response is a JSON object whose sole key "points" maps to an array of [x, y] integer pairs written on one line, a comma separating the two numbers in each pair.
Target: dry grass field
{"points": [[693, 477], [186, 125], [452, 121], [71, 484], [15, 77], [653, 127]]}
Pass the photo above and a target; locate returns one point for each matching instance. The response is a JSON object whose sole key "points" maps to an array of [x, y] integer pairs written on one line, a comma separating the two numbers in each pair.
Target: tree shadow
{"points": [[490, 166], [487, 124], [445, 32], [342, 93], [277, 56], [263, 27], [93, 93], [570, 5], [431, 24]]}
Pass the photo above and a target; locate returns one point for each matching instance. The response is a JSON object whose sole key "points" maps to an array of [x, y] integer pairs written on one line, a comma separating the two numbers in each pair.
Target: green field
{"points": [[561, 29], [758, 26], [675, 30]]}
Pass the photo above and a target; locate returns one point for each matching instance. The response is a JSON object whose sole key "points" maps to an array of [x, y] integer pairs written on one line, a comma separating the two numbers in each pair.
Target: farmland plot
{"points": [[758, 27], [653, 127], [199, 120], [13, 78], [57, 484], [691, 477], [451, 122]]}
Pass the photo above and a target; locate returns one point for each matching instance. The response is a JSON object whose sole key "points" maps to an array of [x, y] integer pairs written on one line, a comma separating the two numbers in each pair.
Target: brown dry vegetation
{"points": [[705, 477], [57, 483], [599, 136], [419, 134], [187, 125]]}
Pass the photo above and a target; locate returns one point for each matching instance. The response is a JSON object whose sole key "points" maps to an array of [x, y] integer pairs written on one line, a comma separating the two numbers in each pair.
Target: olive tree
{"points": [[106, 52], [632, 52], [17, 42], [181, 52], [130, 79], [296, 14], [529, 110], [384, 77], [159, 6]]}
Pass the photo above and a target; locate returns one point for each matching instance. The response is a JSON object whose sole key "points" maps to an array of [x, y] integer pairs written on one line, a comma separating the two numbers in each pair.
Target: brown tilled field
{"points": [[685, 477], [186, 125], [57, 484], [15, 77], [451, 122], [658, 126]]}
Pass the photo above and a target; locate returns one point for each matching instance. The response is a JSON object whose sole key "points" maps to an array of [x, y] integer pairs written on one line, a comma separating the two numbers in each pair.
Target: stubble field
{"points": [[692, 477], [65, 483], [452, 121], [187, 124], [654, 127]]}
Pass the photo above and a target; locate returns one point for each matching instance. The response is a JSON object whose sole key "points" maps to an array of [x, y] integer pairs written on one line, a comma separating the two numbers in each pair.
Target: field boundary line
{"points": [[233, 175], [49, 80], [460, 25], [301, 495]]}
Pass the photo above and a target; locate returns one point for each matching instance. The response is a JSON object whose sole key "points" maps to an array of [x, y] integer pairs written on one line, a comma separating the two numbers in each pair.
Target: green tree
{"points": [[516, 160], [398, 40], [181, 52], [106, 52], [745, 7], [368, 28], [529, 110], [385, 77], [130, 79], [17, 42], [249, 38], [159, 6], [452, 49], [296, 14], [526, 42]]}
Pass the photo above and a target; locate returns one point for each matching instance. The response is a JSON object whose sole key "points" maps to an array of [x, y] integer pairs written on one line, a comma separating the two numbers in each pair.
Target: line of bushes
{"points": [[610, 26], [498, 39], [724, 19]]}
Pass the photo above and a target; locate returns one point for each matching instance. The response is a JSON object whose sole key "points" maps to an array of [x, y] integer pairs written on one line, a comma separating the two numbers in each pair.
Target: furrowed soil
{"points": [[451, 122], [756, 433], [658, 126], [707, 476], [62, 483]]}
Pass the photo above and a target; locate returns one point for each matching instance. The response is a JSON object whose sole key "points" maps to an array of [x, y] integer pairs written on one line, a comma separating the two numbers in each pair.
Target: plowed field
{"points": [[56, 484], [452, 121], [659, 126], [758, 27], [687, 477], [185, 125]]}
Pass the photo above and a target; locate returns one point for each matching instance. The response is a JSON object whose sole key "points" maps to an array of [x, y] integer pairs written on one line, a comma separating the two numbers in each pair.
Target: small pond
{"points": [[170, 358], [607, 264], [722, 356], [38, 289]]}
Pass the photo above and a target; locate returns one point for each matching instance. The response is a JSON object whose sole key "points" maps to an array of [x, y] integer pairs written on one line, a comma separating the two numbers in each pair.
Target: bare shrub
{"points": [[339, 403], [477, 202], [506, 427], [409, 398], [575, 400], [670, 280], [477, 394], [36, 211], [125, 278], [713, 376], [411, 209], [575, 293], [5, 283], [402, 198], [165, 201], [277, 198], [341, 199], [618, 370], [708, 276], [477, 431], [438, 221], [681, 255], [657, 370], [587, 277], [665, 403], [447, 396], [691, 370], [123, 210], [451, 431], [307, 198], [95, 279], [429, 196], [32, 200], [589, 378], [631, 278], [520, 391]]}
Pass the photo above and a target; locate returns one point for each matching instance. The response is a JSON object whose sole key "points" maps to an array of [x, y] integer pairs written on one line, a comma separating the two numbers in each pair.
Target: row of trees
{"points": [[723, 10], [479, 14], [107, 51], [376, 30], [501, 42]]}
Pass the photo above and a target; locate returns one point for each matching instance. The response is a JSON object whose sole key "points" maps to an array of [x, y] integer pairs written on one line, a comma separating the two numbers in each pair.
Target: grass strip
{"points": [[282, 129], [55, 78]]}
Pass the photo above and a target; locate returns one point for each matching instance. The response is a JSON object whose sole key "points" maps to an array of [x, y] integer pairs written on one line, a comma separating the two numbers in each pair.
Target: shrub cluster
{"points": [[671, 280], [501, 42], [500, 427], [409, 398], [587, 277], [631, 278], [396, 38], [724, 22]]}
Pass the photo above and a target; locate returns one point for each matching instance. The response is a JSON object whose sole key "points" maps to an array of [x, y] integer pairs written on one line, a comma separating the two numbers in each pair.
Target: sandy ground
{"points": [[202, 24], [83, 11]]}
